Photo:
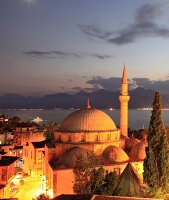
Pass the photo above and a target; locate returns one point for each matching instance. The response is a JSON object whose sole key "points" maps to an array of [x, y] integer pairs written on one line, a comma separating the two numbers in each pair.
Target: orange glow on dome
{"points": [[87, 120]]}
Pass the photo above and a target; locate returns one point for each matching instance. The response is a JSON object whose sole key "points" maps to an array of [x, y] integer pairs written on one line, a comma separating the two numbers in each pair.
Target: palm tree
{"points": [[50, 129]]}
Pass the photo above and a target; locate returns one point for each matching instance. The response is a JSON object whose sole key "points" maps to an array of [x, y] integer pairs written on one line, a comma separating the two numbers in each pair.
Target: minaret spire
{"points": [[124, 99], [88, 103], [124, 77]]}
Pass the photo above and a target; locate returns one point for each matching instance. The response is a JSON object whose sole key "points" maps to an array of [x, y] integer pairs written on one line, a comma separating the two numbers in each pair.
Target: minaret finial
{"points": [[88, 104], [124, 77]]}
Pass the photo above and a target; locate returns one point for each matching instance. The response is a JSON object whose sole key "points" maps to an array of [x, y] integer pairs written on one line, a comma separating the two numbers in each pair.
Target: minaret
{"points": [[124, 98]]}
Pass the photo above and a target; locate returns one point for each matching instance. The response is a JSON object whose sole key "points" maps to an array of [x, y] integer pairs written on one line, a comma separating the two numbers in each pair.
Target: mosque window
{"points": [[69, 138], [108, 136], [82, 138], [96, 138]]}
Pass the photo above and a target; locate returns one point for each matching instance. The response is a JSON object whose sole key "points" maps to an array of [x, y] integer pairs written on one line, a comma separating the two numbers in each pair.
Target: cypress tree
{"points": [[156, 163]]}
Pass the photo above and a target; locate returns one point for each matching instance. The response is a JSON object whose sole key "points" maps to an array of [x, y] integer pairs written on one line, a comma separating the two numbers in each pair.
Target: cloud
{"points": [[114, 84], [64, 55], [77, 88], [144, 25], [70, 80], [94, 31], [101, 56], [86, 89], [51, 54], [161, 85]]}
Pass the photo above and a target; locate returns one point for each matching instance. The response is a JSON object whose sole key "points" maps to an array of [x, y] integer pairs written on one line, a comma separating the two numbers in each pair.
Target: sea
{"points": [[138, 119]]}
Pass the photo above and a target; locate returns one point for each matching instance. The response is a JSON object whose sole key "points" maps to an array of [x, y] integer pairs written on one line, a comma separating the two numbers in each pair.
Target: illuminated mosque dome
{"points": [[70, 158], [138, 152], [113, 154], [87, 120]]}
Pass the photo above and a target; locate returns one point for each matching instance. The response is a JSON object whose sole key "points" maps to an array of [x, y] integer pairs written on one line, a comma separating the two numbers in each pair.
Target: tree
{"points": [[50, 129], [90, 180], [97, 180], [104, 182], [14, 121], [111, 181], [83, 171], [156, 170]]}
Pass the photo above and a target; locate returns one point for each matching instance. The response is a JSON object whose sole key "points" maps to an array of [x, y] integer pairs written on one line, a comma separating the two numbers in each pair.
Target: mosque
{"points": [[91, 130]]}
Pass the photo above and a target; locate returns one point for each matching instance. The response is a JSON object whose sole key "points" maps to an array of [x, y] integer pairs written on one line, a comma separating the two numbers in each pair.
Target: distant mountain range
{"points": [[139, 98]]}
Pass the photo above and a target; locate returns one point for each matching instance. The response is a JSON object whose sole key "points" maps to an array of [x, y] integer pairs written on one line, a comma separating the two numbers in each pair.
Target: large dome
{"points": [[87, 120]]}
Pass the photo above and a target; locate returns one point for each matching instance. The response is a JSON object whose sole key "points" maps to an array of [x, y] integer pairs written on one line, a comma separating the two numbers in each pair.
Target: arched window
{"points": [[82, 138], [69, 138], [96, 138], [108, 136], [59, 137]]}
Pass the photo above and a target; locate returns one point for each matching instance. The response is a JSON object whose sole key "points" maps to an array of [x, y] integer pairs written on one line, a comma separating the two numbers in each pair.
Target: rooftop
{"points": [[50, 145], [103, 197], [38, 145], [130, 182], [97, 197], [8, 160], [18, 147], [71, 197]]}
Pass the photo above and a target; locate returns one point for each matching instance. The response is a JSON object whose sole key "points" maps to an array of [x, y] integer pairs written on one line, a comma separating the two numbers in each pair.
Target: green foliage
{"points": [[111, 180], [150, 192], [83, 171], [97, 180], [137, 133], [49, 130], [90, 181], [10, 123], [156, 170], [13, 122]]}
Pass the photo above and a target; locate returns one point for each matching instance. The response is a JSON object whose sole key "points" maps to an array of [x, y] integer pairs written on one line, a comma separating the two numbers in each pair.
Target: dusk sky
{"points": [[50, 46]]}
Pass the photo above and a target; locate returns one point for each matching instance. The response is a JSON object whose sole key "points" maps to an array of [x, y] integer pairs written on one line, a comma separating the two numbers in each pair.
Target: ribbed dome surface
{"points": [[70, 158], [138, 151], [113, 154], [87, 120]]}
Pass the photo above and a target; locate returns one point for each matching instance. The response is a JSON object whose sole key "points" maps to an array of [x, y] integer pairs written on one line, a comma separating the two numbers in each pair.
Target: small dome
{"points": [[131, 142], [70, 158], [87, 120], [113, 154], [138, 152]]}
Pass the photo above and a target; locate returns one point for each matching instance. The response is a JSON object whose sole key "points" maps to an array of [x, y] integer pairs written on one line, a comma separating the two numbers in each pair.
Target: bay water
{"points": [[138, 119]]}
